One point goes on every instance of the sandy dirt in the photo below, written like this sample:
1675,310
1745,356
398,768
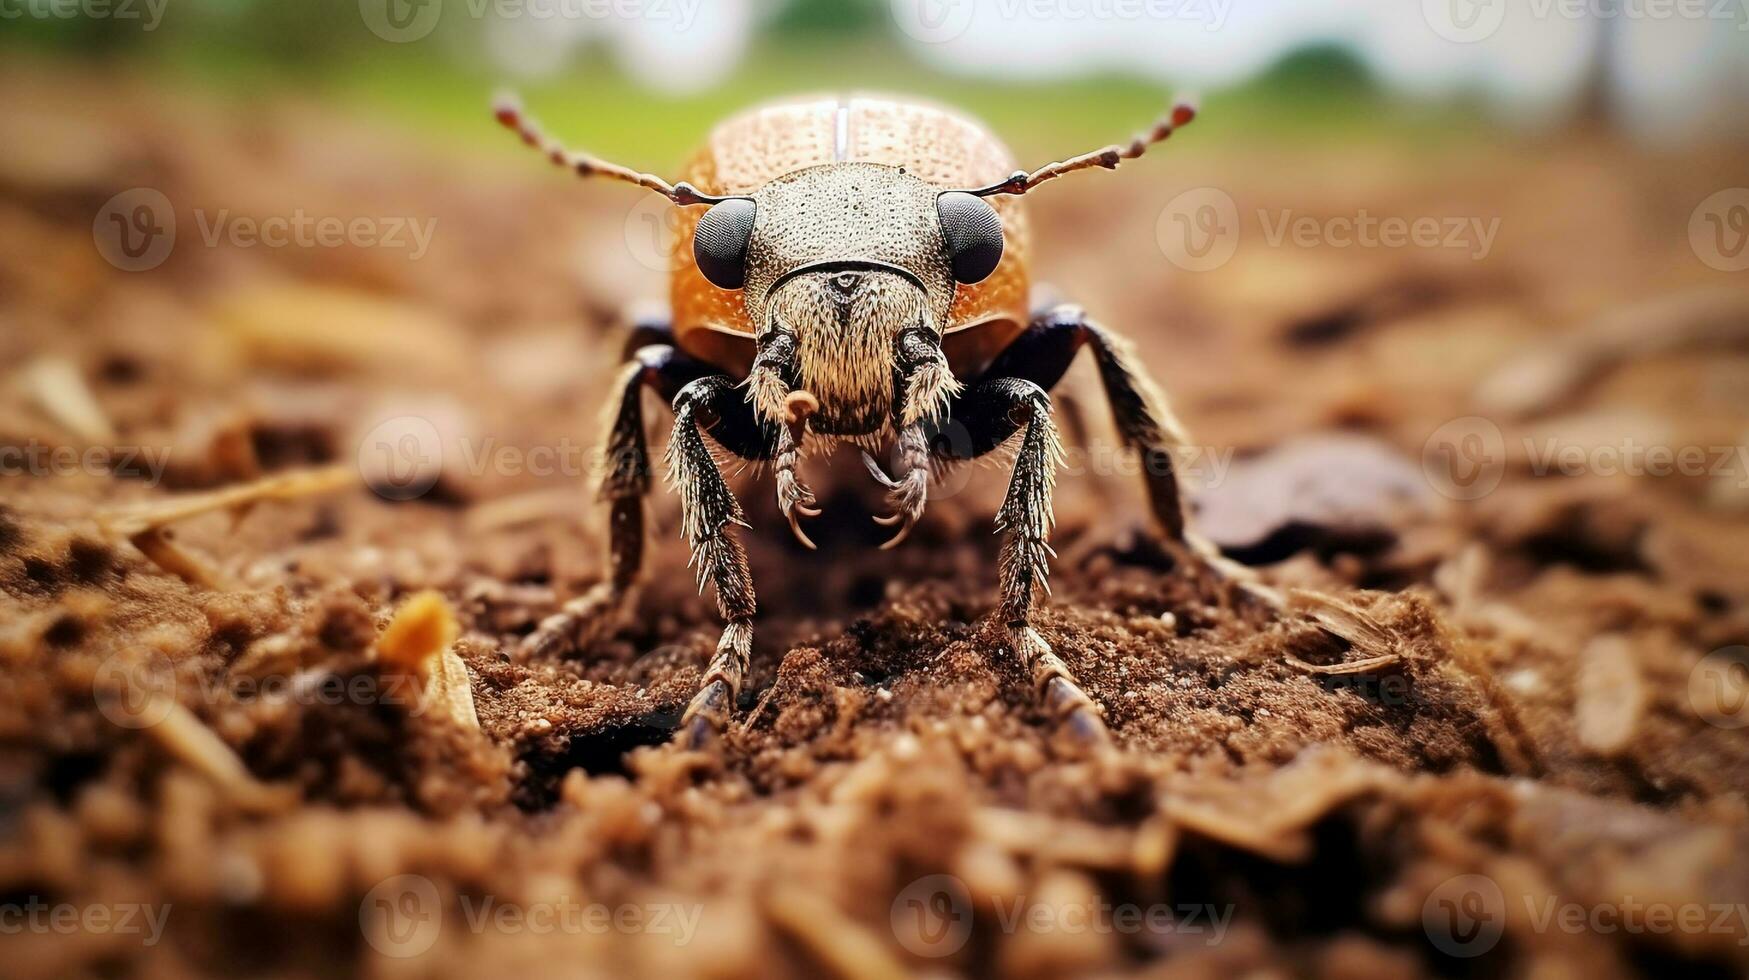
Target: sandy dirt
199,714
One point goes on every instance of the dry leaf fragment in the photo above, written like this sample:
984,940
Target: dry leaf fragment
322,329
1610,695
846,947
1056,841
419,643
1270,816
1366,634
126,522
193,743
158,547
60,390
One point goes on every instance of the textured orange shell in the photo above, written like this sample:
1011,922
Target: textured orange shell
935,144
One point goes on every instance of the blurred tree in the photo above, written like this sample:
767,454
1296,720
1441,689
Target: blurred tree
1321,71
1597,96
850,19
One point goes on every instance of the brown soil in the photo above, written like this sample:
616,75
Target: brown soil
1539,727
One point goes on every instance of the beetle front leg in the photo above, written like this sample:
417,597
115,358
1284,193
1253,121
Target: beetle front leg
707,510
991,412
771,390
924,385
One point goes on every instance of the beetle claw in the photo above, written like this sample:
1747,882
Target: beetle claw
795,527
897,539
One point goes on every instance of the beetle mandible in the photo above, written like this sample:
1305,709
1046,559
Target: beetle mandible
860,276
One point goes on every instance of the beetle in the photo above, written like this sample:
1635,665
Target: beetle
860,276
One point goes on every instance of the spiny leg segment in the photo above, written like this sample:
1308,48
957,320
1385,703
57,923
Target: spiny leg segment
707,510
771,390
924,385
1144,421
991,412
625,480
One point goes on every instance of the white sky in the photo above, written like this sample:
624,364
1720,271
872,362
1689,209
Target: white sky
1681,60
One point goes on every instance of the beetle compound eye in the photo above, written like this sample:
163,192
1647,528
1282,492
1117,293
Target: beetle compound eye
973,231
720,243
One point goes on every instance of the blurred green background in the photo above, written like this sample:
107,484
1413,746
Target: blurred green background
321,50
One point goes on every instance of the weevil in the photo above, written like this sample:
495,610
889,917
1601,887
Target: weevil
860,275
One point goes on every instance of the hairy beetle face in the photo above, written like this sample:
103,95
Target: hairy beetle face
843,258
846,322
848,217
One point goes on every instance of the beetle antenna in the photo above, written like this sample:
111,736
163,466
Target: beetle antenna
1109,157
508,109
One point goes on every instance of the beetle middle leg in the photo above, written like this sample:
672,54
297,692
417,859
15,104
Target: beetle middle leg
625,480
1144,421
